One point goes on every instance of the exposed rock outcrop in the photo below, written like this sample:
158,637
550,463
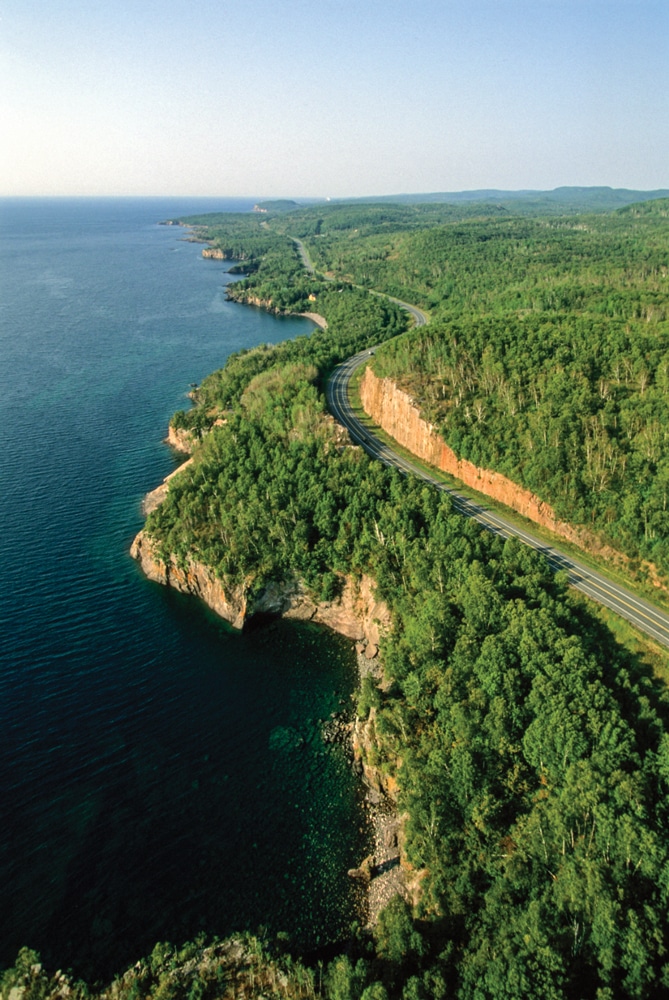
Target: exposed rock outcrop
396,412
245,299
192,578
181,439
382,786
386,871
214,253
356,613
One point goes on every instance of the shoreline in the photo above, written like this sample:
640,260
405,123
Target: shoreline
382,874
356,616
155,497
382,871
315,317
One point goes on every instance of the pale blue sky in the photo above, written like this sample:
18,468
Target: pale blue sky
338,98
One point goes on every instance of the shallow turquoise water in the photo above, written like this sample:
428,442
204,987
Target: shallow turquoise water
159,774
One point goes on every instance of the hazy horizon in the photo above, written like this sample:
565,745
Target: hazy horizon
417,197
340,100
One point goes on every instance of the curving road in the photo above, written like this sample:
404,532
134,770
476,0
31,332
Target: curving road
643,615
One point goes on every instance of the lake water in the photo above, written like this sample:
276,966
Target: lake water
160,775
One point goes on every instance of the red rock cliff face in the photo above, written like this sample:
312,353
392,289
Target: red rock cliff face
195,578
395,411
356,613
180,439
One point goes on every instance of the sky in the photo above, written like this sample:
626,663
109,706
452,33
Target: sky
331,98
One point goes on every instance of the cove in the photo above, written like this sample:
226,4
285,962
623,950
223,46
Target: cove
160,775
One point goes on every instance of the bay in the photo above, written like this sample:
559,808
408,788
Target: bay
160,775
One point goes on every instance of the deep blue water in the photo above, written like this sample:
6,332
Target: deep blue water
160,775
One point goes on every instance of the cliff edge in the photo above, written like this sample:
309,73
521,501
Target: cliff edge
396,412
355,613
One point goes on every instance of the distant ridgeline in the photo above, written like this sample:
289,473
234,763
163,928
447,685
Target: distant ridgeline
562,199
529,749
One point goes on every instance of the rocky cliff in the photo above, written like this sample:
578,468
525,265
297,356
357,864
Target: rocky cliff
194,578
397,413
181,439
356,613
268,305
214,253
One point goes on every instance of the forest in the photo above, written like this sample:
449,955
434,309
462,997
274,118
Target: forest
531,751
547,357
557,375
529,748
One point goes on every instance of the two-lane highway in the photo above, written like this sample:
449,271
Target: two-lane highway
643,615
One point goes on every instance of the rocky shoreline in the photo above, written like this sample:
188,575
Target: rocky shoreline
268,306
356,614
383,872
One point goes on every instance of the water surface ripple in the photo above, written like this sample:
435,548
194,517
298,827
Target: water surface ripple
159,775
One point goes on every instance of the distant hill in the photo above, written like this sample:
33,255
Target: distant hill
562,199
278,205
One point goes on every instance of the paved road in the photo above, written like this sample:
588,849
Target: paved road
640,613
302,250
